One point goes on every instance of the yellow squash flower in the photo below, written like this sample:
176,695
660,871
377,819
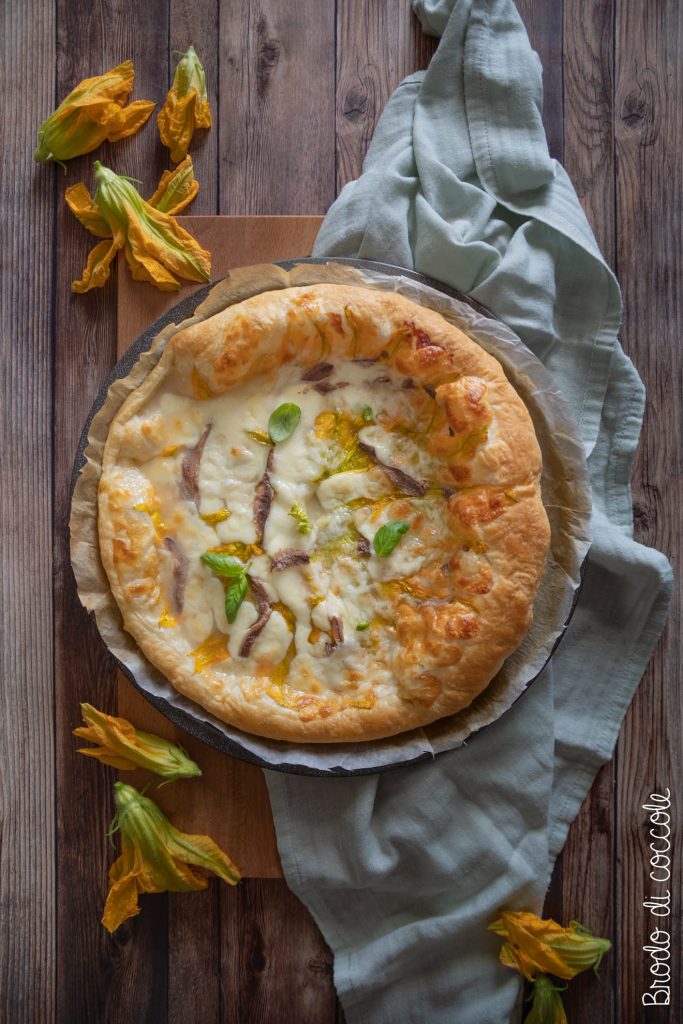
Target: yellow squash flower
186,106
535,945
157,249
86,210
125,748
94,112
176,190
546,1007
155,857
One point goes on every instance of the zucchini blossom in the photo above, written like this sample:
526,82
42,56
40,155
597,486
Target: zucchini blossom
155,857
186,107
125,747
157,249
94,112
533,944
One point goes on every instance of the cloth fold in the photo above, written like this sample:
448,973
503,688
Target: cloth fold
403,872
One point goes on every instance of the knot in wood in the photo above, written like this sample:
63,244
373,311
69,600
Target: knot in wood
641,106
268,56
633,109
355,104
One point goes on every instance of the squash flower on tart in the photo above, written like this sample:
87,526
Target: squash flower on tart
95,111
186,107
157,248
320,515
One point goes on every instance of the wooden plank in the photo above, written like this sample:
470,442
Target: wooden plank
544,24
193,919
588,51
194,981
379,43
648,141
27,825
90,40
277,107
135,981
196,24
276,966
584,890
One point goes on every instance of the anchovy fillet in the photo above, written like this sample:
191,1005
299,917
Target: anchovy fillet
189,470
318,372
264,609
403,481
288,557
263,499
180,572
337,630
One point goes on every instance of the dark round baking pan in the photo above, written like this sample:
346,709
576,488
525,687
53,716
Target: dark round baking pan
195,724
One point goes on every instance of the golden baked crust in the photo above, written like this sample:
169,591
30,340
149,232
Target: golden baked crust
403,419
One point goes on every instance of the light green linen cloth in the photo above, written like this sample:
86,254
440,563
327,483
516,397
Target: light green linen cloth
404,871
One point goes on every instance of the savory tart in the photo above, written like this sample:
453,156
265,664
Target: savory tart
320,515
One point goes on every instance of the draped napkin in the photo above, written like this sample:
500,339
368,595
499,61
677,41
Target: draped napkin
404,871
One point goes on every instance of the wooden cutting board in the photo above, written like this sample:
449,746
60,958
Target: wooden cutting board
230,802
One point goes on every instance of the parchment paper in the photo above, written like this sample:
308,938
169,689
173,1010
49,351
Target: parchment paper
566,496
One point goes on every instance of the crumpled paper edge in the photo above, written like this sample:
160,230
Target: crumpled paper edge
566,495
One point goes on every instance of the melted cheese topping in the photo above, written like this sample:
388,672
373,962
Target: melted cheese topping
340,606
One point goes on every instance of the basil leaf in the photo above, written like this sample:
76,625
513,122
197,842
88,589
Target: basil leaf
284,421
223,565
388,536
366,413
362,626
234,595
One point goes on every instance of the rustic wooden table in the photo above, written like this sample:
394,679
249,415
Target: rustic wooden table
296,89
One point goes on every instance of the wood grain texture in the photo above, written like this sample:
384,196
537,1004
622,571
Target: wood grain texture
649,209
27,826
276,966
544,24
90,39
193,924
196,23
277,107
378,43
588,87
584,879
194,968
